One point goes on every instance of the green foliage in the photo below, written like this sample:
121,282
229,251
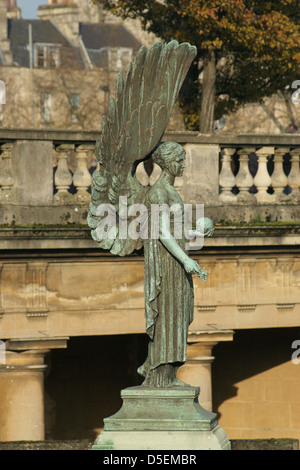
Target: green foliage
256,44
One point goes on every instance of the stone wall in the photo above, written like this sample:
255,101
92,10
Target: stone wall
256,384
248,286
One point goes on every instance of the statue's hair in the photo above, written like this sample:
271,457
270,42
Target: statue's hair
164,154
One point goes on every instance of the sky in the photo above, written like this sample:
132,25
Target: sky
29,8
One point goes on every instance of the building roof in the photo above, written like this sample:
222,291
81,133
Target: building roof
98,35
45,32
42,31
95,37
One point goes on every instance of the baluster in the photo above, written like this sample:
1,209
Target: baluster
82,178
63,177
226,177
262,179
6,174
279,179
244,179
293,179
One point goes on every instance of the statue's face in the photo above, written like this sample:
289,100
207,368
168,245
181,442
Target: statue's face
178,164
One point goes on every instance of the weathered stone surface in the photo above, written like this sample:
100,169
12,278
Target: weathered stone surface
243,444
246,267
169,418
265,444
157,409
47,445
236,444
200,184
32,163
21,380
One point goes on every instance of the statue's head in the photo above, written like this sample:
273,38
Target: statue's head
171,156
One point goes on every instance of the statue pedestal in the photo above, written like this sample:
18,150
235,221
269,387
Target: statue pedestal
162,419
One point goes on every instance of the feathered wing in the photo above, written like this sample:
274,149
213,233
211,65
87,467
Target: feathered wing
132,128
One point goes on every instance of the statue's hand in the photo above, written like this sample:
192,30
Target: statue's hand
202,275
192,267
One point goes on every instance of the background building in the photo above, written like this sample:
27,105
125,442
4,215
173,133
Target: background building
60,70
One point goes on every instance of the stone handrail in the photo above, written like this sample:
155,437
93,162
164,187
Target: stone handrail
51,170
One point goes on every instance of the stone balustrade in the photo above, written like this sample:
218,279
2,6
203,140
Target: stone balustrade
70,187
46,176
264,175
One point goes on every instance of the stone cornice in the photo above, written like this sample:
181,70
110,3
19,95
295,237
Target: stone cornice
78,238
223,139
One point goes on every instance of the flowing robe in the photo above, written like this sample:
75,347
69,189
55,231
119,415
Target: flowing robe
169,301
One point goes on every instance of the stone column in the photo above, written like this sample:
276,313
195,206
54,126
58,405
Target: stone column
22,388
197,369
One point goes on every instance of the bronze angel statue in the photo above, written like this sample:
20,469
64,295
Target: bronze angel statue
131,133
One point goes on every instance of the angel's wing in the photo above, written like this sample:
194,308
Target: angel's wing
133,127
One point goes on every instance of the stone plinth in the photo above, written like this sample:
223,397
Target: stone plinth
162,419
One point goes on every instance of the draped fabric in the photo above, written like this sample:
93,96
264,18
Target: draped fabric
168,302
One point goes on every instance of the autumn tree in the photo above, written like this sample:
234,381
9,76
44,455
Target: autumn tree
247,49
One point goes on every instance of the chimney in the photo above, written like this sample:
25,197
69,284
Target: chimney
13,12
65,15
4,42
3,19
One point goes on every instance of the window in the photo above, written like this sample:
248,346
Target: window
40,57
119,58
46,56
74,106
45,99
